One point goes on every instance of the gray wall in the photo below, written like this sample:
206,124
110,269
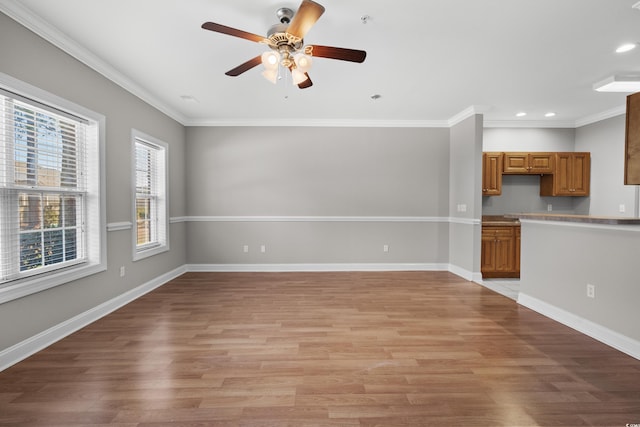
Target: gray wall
521,193
605,141
561,259
465,197
246,184
27,57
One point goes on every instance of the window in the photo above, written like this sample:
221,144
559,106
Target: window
51,215
150,202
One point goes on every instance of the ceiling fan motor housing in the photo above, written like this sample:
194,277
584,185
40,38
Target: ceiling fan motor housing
281,41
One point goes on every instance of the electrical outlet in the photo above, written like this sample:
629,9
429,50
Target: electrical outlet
122,271
245,248
263,248
591,291
549,207
622,208
385,248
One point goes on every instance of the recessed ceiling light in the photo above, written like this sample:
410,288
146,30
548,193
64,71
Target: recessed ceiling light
521,114
626,47
619,83
550,114
188,98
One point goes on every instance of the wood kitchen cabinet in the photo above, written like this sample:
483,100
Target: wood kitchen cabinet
528,163
518,241
632,141
492,174
499,251
571,177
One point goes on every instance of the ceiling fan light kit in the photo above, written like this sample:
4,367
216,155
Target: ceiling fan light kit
286,41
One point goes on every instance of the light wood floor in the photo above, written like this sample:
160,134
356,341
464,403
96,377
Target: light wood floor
323,349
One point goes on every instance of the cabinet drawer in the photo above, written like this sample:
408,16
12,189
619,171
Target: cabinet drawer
497,231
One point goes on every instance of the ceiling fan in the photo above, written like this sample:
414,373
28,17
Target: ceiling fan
286,41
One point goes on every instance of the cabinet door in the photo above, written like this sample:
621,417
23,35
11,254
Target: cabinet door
580,174
517,251
562,184
571,177
517,163
541,163
498,251
632,141
488,255
528,163
491,174
505,251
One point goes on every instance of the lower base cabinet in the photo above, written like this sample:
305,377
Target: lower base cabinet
500,251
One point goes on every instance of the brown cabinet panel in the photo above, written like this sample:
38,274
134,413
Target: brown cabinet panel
517,249
571,176
632,141
528,163
516,163
541,163
499,251
491,174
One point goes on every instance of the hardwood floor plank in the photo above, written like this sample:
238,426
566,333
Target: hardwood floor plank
323,349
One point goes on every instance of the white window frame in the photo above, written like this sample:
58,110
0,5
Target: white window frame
159,196
94,226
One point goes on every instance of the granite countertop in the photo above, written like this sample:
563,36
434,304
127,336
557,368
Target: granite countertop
588,219
500,220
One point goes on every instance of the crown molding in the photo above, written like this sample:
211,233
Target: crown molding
27,18
614,112
320,123
530,124
466,113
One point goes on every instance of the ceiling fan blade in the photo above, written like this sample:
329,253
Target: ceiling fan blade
218,28
307,83
245,67
307,15
339,53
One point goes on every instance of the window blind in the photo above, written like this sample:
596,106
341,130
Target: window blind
43,188
150,195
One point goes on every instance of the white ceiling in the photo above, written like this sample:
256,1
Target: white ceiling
430,60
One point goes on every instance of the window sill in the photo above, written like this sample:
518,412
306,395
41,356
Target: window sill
27,286
149,252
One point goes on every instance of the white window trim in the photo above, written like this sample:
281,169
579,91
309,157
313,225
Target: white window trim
145,251
97,195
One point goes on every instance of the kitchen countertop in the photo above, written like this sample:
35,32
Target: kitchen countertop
588,219
500,220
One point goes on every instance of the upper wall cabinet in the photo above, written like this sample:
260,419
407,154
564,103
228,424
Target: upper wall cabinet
571,177
632,141
492,174
561,174
528,163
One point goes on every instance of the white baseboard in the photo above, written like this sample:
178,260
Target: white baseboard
465,274
32,345
315,267
605,335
